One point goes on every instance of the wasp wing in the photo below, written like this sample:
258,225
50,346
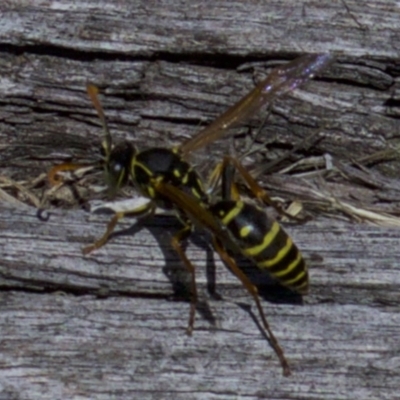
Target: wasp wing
280,81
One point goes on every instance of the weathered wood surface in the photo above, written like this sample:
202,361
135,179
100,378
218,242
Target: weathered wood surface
104,326
167,68
342,342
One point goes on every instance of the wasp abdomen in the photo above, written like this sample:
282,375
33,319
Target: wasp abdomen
264,241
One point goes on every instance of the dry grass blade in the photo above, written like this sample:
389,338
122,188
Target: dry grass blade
27,194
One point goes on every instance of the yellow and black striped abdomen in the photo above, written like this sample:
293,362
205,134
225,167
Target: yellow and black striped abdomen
263,241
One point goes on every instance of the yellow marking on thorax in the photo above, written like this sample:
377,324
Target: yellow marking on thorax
177,173
196,193
232,214
151,192
245,231
185,179
133,163
268,239
144,168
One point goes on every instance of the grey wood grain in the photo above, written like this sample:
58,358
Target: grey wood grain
112,324
119,347
161,86
133,335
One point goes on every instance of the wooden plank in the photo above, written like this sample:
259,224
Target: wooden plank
56,346
155,100
136,338
359,258
105,325
206,28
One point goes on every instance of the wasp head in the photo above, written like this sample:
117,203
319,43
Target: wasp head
117,165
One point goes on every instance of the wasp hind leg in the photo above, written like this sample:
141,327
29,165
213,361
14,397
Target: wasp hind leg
146,210
252,290
176,242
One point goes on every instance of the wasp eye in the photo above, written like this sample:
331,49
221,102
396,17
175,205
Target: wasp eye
117,167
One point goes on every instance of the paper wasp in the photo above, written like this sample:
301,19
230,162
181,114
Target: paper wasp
242,227
170,182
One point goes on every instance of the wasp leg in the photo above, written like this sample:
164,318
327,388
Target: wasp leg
146,210
252,290
223,171
214,178
256,189
176,244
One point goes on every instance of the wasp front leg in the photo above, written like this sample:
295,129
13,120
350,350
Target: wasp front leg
146,210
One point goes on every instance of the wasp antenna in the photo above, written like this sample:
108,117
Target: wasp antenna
93,92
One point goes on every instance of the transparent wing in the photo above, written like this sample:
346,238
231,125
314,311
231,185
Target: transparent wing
280,81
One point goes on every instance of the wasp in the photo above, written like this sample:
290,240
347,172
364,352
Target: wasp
169,181
239,226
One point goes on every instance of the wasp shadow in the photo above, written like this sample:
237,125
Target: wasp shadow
163,228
